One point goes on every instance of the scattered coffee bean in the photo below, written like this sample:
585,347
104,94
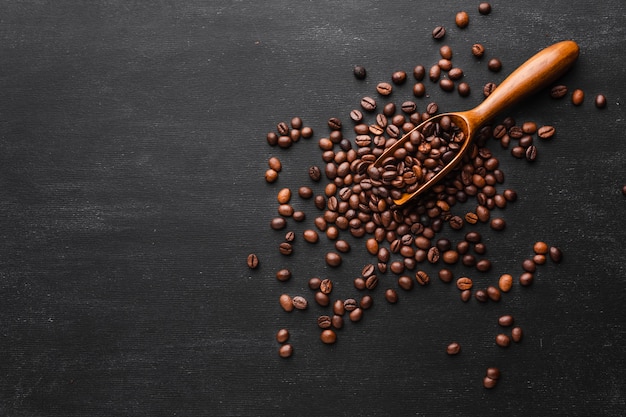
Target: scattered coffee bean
299,302
494,65
484,8
506,320
314,283
333,259
464,283
283,274
558,91
356,315
391,296
315,173
252,261
282,335
600,101
555,254
478,50
497,223
516,334
422,277
286,302
285,248
439,32
546,132
505,282
503,340
324,322
463,89
526,279
461,19
398,77
578,96
328,336
488,89
359,72
453,348
368,104
384,89
285,350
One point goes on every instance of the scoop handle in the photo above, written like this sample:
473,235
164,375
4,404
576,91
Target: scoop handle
538,72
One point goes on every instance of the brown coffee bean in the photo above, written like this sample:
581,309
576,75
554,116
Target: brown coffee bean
464,89
310,236
384,89
503,340
315,173
282,335
578,96
453,348
516,334
285,350
494,65
271,175
466,295
356,315
546,132
478,50
528,265
489,383
299,302
391,296
350,304
368,104
493,373
526,279
497,223
558,91
333,259
275,164
483,265
481,296
324,322
328,337
405,282
484,8
366,302
505,282
398,77
464,283
600,101
285,248
326,286
446,275
555,254
286,302
493,293
419,90
372,246
371,282
422,277
439,32
283,274
506,320
461,19
252,261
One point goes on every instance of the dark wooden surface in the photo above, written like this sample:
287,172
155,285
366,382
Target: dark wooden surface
132,153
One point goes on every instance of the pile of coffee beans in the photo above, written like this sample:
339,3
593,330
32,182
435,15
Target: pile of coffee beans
409,241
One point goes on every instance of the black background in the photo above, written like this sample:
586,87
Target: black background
132,155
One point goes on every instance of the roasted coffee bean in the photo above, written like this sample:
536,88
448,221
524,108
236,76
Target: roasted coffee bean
461,19
405,282
286,302
350,304
322,299
483,265
368,104
497,223
481,296
493,293
356,116
464,283
324,322
272,138
453,348
446,84
478,50
516,334
505,282
539,259
484,8
310,236
419,72
282,128
333,259
600,101
434,73
391,296
326,286
466,295
342,246
359,72
299,302
398,77
408,106
283,274
446,275
422,277
493,373
445,51
252,261
578,96
471,218
278,223
546,132
285,248
555,254
285,210
463,89
455,74
328,336
371,282
271,175
305,192
489,383
285,351
558,91
439,32
419,90
526,279
282,335
275,164
314,283
366,302
337,321
494,65
540,248
284,195
384,89
531,153
356,315
488,89
506,320
315,173
503,340
528,265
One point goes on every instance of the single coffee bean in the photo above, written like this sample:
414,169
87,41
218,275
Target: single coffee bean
484,8
405,282
271,175
461,19
422,277
494,65
600,101
252,261
497,223
434,73
453,348
503,340
463,89
285,248
305,192
282,335
324,322
506,320
356,315
546,132
272,139
558,91
342,246
419,72
333,259
478,50
359,72
283,274
284,195
488,89
464,283
398,77
315,173
278,223
526,279
446,275
516,334
337,321
481,296
356,115
391,296
285,210
531,153
493,373
455,74
299,302
505,282
483,265
314,283
446,84
326,286
489,383
466,295
350,304
286,302
328,337
366,302
493,293
368,104
578,96
282,128
528,265
285,350
419,90
384,89
371,282
310,236
471,218
555,254
539,259
408,106
439,32
275,164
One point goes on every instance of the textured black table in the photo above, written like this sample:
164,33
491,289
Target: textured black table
132,155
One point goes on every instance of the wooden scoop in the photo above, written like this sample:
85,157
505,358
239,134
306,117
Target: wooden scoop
536,73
